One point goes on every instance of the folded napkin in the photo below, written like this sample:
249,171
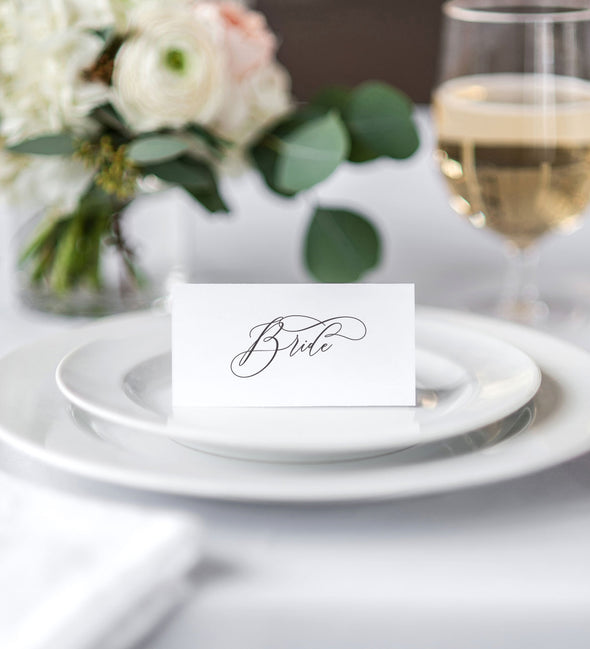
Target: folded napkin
77,573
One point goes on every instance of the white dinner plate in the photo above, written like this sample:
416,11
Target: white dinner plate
35,419
465,380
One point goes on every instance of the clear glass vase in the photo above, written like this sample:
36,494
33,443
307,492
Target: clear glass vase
109,262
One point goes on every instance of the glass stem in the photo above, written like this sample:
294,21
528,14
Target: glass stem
520,293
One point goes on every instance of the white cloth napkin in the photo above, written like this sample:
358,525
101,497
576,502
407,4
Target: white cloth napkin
77,573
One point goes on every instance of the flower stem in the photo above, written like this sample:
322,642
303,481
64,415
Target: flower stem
65,254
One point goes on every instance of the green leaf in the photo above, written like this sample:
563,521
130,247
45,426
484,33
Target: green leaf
303,115
379,118
108,117
332,97
211,201
212,140
379,96
195,176
266,160
359,152
310,153
57,144
156,148
184,171
104,34
266,152
340,245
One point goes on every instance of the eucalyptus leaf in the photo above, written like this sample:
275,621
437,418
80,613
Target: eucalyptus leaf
303,115
55,144
108,117
96,201
266,160
195,176
332,97
266,153
360,152
310,153
212,201
380,95
156,148
184,171
379,119
340,245
212,140
104,34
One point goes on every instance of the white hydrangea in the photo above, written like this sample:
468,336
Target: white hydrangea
45,48
42,182
182,61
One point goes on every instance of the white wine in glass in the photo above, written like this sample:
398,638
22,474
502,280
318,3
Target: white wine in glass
512,113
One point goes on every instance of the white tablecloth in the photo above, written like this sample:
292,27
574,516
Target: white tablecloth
500,566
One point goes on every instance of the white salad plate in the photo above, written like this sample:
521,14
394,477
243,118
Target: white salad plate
36,420
465,380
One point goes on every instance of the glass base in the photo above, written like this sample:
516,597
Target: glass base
531,312
134,273
86,303
563,308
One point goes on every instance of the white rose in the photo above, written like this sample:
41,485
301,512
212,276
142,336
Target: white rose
270,92
171,70
256,102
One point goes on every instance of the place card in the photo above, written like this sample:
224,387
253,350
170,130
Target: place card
293,345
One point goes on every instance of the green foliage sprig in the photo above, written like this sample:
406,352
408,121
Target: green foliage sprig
339,124
297,153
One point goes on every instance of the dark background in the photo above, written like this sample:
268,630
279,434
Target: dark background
349,41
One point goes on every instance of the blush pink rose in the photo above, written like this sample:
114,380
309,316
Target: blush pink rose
250,43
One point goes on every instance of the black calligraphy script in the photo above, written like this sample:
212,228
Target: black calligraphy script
293,335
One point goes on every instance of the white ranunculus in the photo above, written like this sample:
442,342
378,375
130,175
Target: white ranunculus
123,11
45,48
171,71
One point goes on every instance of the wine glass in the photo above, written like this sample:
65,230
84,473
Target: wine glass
512,113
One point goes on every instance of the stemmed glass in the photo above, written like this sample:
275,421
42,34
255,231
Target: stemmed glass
512,112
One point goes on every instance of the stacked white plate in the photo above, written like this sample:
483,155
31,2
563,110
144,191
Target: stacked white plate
495,401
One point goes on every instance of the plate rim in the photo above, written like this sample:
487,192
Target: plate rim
263,446
487,469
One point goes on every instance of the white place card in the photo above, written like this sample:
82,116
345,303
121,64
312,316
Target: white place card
293,345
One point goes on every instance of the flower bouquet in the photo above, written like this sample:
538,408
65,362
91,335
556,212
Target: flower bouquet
102,100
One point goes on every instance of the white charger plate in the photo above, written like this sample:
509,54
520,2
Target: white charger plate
466,380
35,419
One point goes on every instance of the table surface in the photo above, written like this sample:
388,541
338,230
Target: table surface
505,565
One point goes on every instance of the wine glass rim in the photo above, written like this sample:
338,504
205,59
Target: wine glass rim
515,11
